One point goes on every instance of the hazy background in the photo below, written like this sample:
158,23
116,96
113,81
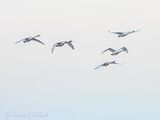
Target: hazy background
64,84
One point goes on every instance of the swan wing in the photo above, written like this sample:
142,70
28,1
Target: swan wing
116,32
19,41
53,47
109,49
70,45
34,39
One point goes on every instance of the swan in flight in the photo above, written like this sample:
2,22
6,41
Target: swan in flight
60,44
116,52
106,64
31,38
123,34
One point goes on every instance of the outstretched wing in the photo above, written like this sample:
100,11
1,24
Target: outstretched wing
133,31
118,63
34,39
110,49
116,32
123,49
19,41
137,30
36,36
70,45
108,63
53,48
104,64
97,67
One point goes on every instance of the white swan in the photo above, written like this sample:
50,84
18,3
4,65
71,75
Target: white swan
107,63
28,39
123,34
116,52
60,44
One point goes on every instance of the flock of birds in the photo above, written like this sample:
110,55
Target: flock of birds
34,38
69,43
116,52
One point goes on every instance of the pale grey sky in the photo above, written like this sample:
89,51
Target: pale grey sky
64,83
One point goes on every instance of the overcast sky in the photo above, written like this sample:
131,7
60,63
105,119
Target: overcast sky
64,84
